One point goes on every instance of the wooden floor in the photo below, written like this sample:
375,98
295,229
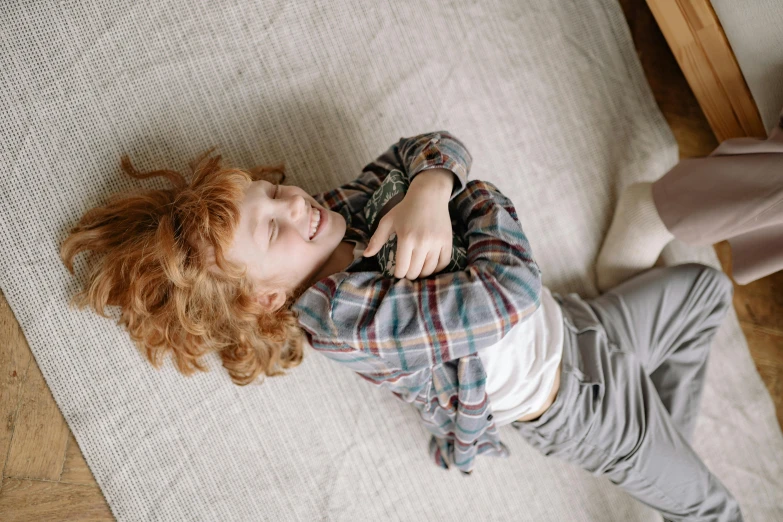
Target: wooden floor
44,476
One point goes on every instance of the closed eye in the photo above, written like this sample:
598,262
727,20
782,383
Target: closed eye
273,224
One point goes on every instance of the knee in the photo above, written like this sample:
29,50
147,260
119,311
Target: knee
718,282
728,508
724,288
712,288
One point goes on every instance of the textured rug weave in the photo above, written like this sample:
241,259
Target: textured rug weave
549,98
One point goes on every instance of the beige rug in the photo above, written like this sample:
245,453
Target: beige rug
551,101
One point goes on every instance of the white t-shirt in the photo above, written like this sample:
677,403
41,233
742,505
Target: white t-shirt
521,367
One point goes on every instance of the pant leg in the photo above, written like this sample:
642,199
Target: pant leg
735,193
636,446
609,420
668,317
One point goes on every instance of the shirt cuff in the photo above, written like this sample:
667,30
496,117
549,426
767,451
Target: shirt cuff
431,157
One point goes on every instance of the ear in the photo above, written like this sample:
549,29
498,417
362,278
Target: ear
271,300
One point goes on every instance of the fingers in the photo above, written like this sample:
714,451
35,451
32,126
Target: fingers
445,258
430,263
402,259
420,262
436,261
379,238
418,257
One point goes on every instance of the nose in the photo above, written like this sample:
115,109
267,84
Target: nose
299,211
302,207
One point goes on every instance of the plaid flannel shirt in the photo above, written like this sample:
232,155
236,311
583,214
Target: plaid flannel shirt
420,339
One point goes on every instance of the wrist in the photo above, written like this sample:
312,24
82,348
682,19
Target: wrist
436,181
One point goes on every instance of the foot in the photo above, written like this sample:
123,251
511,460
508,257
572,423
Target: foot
635,238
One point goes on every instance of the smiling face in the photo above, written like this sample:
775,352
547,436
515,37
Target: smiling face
273,238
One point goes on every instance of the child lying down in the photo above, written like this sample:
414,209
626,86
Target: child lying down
423,283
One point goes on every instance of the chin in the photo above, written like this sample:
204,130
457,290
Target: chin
339,225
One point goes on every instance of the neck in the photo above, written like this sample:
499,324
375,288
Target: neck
341,258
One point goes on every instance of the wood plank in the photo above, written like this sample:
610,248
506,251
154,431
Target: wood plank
759,307
670,88
75,469
26,500
759,303
15,358
37,449
766,348
697,40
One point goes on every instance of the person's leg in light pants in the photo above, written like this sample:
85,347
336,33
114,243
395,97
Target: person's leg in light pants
634,363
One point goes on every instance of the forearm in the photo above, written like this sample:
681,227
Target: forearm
436,183
414,156
412,325
438,150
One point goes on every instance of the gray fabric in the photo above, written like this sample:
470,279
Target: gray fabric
753,29
552,103
634,363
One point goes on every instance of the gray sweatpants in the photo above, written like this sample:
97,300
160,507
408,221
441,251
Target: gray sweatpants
634,361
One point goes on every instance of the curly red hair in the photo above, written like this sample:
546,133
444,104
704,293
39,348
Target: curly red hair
154,254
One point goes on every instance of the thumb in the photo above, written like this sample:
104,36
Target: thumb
380,237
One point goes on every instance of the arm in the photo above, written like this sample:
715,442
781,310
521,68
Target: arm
418,214
413,156
387,328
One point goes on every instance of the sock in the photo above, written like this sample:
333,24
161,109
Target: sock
635,238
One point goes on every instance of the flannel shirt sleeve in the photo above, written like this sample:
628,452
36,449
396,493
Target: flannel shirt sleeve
388,328
439,149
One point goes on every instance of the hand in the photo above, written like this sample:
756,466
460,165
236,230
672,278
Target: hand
423,227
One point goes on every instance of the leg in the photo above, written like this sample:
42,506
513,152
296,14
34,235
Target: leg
608,417
636,445
635,238
735,193
667,317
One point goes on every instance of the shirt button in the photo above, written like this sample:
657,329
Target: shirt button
475,442
489,417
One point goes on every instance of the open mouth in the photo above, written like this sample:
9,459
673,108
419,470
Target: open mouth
317,221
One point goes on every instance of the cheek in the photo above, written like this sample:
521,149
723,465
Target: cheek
336,222
291,244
